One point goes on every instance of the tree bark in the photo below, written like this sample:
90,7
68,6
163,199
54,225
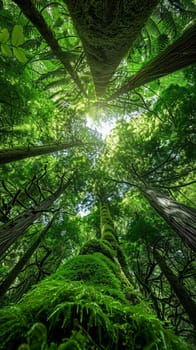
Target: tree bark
106,223
30,11
7,156
108,234
180,291
11,231
179,217
22,262
107,30
178,55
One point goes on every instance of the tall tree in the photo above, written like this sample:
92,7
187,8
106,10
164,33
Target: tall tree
179,217
178,55
22,262
107,30
12,230
180,291
46,74
143,158
7,156
29,9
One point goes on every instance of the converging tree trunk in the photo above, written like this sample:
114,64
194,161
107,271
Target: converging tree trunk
11,231
4,286
7,156
178,216
107,30
30,11
178,55
178,288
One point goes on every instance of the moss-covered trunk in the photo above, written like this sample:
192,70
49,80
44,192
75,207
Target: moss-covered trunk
88,303
107,30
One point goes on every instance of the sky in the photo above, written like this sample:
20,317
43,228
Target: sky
102,127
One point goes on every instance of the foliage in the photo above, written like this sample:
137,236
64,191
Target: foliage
94,300
98,246
65,304
17,39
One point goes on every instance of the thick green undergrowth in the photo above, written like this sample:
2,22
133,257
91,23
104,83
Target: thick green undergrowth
84,305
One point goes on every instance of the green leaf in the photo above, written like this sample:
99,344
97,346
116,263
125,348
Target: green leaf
17,35
20,54
24,347
5,49
4,35
52,346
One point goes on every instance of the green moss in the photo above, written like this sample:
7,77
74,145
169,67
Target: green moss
107,228
132,295
110,238
82,306
94,269
37,336
69,345
24,347
76,313
98,246
123,263
78,341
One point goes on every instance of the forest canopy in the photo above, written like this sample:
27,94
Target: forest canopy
97,160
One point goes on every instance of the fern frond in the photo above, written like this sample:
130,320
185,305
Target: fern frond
54,73
152,27
167,17
162,42
55,83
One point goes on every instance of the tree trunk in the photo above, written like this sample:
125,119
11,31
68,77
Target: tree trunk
86,304
178,55
31,12
180,291
108,233
107,30
106,223
22,262
179,217
7,156
11,231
